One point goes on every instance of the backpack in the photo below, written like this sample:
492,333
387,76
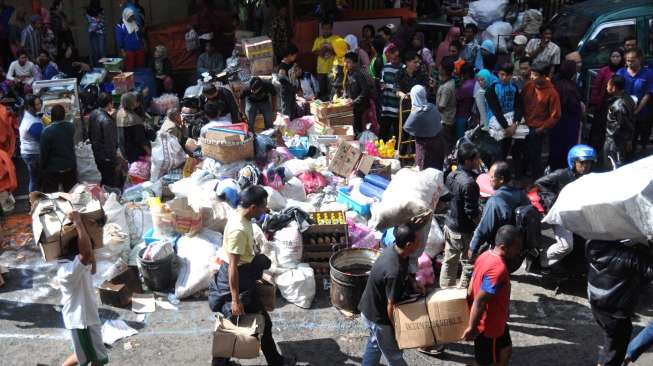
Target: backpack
529,221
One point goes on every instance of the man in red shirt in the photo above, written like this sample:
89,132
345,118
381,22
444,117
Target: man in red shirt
490,292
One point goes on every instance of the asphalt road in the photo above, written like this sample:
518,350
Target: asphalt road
547,328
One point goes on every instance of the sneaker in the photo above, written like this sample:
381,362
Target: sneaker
434,351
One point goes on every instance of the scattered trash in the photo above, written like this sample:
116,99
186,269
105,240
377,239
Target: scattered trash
115,330
143,303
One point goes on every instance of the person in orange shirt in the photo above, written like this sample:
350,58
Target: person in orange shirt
541,111
8,124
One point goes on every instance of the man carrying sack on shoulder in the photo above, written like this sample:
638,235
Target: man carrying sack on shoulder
232,290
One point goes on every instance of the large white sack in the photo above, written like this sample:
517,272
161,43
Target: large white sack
276,202
611,206
87,171
195,254
167,154
116,229
215,217
408,194
294,189
287,246
297,285
486,12
500,32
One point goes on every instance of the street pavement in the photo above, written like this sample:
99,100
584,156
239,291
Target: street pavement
546,328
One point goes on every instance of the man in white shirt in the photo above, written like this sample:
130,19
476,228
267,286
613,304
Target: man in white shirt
543,49
22,70
80,308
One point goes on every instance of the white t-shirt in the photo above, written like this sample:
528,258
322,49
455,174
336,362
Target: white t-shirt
80,308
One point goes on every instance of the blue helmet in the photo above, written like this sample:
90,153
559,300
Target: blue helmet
580,152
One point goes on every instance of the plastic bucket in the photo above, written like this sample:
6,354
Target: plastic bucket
157,275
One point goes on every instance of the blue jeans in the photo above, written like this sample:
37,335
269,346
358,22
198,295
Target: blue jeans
33,162
97,42
461,125
381,342
642,342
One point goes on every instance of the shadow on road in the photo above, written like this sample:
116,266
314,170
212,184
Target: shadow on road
324,351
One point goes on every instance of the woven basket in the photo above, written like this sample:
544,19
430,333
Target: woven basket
228,152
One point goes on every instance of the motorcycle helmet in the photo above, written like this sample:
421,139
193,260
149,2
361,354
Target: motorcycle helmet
580,152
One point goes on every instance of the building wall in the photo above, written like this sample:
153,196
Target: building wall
156,12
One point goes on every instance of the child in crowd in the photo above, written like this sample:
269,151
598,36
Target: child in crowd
80,308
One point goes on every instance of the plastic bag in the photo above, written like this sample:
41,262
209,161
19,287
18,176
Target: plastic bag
115,213
498,31
435,240
276,202
167,154
87,171
262,145
229,191
139,221
294,189
287,246
364,137
139,171
312,181
195,256
361,236
425,275
7,202
157,251
297,285
299,126
486,12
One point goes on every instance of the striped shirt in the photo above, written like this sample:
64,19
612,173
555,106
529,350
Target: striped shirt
30,39
390,105
550,54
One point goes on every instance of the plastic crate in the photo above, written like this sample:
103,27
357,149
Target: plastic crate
298,152
150,238
360,208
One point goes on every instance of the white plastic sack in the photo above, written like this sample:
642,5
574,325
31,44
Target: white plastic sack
435,240
486,12
500,32
615,205
215,217
297,285
87,171
498,133
115,212
294,189
287,246
195,255
276,202
299,166
167,154
408,194
7,202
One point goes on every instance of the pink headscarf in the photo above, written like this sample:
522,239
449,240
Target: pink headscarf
443,48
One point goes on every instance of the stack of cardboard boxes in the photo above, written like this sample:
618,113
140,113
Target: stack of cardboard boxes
260,54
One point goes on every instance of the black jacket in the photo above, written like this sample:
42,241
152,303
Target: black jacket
620,119
615,276
227,103
550,185
463,208
358,89
103,133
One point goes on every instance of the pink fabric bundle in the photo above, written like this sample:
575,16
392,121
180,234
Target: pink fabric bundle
313,181
425,275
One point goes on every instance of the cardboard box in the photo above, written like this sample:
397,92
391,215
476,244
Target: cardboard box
258,47
242,340
373,165
261,66
123,82
267,293
52,229
345,160
440,317
118,291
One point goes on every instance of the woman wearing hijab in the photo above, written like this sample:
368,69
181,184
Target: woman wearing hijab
130,41
363,56
486,59
161,66
423,52
599,98
443,48
131,128
565,134
425,123
484,79
95,18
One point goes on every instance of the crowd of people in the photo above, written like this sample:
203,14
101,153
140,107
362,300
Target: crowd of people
524,97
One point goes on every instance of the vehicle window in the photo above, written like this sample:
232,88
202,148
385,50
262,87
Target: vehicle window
649,51
569,30
597,52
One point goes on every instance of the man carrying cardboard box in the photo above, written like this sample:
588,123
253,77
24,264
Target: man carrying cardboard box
386,286
490,293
